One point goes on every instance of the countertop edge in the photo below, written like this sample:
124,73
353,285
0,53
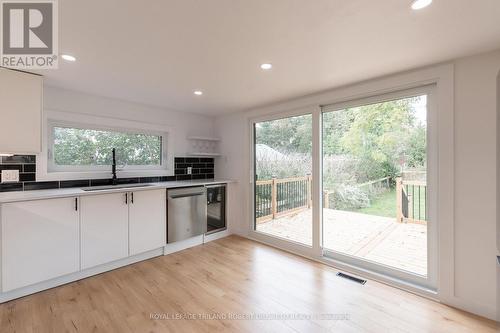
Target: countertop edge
10,197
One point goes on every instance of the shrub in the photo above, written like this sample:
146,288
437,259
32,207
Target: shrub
348,197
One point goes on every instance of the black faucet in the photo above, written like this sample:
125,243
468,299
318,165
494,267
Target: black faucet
113,168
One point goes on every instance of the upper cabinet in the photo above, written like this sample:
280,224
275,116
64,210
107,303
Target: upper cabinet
20,111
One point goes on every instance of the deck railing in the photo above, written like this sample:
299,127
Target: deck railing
279,197
411,199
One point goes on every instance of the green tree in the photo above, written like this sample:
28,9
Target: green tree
73,146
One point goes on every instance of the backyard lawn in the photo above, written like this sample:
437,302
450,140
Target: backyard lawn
382,205
385,205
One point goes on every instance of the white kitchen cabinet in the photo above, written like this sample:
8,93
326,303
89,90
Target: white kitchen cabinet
104,228
21,111
40,241
147,220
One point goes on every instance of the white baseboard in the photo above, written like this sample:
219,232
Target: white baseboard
216,235
477,309
183,244
168,249
10,295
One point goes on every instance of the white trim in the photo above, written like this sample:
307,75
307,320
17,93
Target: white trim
167,249
390,281
52,117
429,281
16,293
443,77
52,168
314,112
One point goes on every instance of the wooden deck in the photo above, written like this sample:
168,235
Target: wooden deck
374,238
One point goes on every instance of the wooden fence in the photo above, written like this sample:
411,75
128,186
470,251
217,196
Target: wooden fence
411,200
279,197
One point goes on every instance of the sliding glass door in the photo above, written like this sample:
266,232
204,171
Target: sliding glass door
375,185
353,182
282,188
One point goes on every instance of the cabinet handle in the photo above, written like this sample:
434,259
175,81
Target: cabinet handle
132,197
76,204
126,198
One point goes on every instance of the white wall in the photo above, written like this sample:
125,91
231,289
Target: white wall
233,132
183,124
469,279
475,180
498,197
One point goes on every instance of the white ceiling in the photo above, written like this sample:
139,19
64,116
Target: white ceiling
158,52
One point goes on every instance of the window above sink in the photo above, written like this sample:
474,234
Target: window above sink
84,148
78,146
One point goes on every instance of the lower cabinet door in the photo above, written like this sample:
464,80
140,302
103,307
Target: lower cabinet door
39,241
147,220
104,228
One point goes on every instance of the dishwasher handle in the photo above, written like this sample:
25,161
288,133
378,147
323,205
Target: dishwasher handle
177,196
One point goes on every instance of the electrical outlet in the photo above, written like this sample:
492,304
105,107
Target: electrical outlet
189,170
10,176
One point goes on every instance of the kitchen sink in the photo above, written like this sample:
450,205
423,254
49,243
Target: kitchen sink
111,187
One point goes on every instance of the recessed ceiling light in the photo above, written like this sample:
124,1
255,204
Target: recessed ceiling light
266,66
419,4
68,57
198,92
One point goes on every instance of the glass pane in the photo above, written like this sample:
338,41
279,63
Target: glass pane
88,147
283,164
374,183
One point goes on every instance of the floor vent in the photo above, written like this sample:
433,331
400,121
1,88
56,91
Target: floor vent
352,278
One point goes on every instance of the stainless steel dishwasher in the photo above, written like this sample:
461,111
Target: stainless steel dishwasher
187,213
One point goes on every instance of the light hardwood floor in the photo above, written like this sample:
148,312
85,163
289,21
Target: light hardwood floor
230,276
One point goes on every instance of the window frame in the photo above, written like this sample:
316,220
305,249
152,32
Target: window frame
430,281
52,167
442,77
46,170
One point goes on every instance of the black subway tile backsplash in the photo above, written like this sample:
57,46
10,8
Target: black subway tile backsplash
29,167
18,167
30,186
180,171
74,183
10,187
128,180
100,182
26,177
150,179
19,159
184,177
202,168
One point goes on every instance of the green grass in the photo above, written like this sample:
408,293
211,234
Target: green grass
382,205
385,205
